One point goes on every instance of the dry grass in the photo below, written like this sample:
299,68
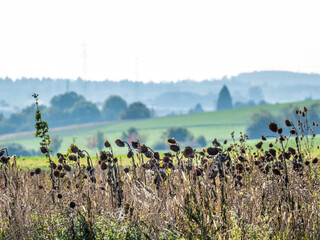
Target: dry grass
223,192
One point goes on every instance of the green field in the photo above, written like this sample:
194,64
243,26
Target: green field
210,125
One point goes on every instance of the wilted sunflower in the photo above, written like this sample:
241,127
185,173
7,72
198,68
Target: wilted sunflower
143,149
213,151
135,144
43,149
187,151
288,123
67,168
174,148
37,171
129,154
74,148
259,145
273,127
276,171
120,143
107,144
171,141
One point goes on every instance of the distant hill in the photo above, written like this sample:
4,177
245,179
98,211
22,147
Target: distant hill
275,86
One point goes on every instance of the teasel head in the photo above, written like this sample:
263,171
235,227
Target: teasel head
120,143
174,148
107,144
273,127
171,141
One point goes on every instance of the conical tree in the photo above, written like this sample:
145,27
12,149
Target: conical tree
224,100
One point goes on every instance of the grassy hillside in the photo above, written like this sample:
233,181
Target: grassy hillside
210,125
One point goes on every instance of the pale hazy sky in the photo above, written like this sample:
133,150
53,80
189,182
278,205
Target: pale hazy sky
157,40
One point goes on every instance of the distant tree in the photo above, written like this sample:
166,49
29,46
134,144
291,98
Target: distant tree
201,141
196,109
66,100
100,140
259,124
84,112
136,110
55,144
255,93
113,107
179,133
224,99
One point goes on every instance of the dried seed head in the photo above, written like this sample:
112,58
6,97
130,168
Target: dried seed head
107,144
259,145
156,155
67,168
5,159
148,154
43,149
216,143
315,160
166,159
74,148
187,151
305,109
37,171
263,138
307,163
280,130
56,173
103,156
103,166
143,149
135,144
129,154
53,165
72,204
59,167
293,131
62,175
213,151
270,145
292,150
126,170
273,127
239,167
120,143
276,171
171,141
288,123
31,174
73,157
59,195
174,148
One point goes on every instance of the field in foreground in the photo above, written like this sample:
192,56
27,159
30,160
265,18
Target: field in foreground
210,125
265,191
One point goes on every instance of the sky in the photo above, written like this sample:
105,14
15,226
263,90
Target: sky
157,40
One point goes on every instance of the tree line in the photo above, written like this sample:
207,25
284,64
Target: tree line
71,108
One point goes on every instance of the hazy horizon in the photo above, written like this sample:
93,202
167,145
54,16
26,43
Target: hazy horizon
147,41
